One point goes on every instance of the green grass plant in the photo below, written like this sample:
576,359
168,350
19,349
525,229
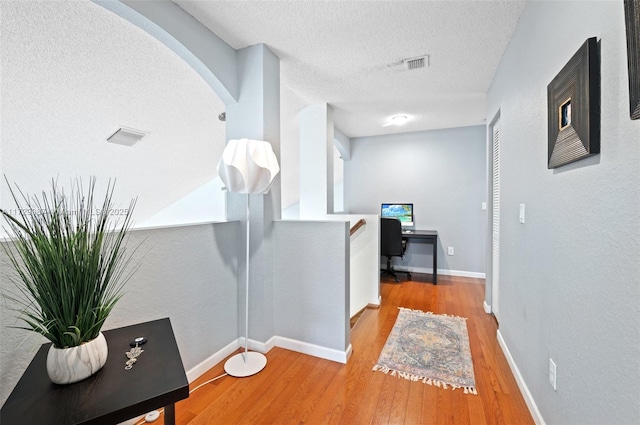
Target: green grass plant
70,261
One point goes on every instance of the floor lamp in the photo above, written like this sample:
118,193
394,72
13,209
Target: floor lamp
247,166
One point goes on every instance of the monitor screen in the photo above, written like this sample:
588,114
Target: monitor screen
403,212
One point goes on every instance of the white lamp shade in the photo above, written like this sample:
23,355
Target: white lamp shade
248,166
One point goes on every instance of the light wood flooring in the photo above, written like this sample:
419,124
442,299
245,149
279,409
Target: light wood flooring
299,389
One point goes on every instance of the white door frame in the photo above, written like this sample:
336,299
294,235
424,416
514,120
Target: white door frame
494,216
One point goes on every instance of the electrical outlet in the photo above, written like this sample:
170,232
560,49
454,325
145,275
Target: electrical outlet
450,252
553,373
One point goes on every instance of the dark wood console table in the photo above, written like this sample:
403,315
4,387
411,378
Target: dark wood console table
429,236
112,395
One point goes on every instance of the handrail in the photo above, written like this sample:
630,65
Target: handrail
358,225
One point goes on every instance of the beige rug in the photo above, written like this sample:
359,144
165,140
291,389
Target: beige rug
431,348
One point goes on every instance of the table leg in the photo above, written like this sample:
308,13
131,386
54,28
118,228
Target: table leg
170,414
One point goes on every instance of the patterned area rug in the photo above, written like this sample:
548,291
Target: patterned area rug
431,348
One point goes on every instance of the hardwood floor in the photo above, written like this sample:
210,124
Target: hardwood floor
299,389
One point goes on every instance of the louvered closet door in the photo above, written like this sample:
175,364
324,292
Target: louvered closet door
495,240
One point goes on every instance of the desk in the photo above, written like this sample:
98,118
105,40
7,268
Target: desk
113,394
429,236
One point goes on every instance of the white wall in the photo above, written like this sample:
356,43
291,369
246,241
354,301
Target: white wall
364,248
316,159
338,181
72,73
570,276
292,212
206,203
443,173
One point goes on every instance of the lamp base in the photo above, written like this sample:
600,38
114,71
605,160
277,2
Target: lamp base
238,367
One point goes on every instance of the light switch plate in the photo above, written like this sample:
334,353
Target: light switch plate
522,213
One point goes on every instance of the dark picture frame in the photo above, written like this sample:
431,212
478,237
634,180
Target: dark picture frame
573,98
632,21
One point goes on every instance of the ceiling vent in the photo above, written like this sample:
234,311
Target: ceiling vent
415,63
126,136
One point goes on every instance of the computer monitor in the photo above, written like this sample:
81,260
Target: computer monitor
403,212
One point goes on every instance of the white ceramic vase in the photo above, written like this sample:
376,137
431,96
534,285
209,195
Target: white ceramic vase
73,364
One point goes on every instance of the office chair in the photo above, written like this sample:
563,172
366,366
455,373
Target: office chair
392,244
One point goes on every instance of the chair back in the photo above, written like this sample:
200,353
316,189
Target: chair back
390,237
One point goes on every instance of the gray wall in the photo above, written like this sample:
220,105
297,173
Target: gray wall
570,276
443,173
190,274
311,296
186,273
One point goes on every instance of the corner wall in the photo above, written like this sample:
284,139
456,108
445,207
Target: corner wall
570,276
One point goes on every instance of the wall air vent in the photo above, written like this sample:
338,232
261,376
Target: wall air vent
126,136
415,63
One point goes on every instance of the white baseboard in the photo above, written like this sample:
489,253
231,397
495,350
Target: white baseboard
375,304
376,301
348,354
264,347
314,350
487,307
444,272
199,369
259,346
462,273
528,398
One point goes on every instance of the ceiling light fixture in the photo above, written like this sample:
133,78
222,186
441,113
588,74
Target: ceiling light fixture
126,136
399,119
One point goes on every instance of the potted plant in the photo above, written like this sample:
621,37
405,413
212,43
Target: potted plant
70,266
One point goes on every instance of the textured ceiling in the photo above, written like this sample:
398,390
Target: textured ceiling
350,54
73,72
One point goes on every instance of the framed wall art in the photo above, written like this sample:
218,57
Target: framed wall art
632,21
573,98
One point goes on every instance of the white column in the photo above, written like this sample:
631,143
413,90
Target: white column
316,161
